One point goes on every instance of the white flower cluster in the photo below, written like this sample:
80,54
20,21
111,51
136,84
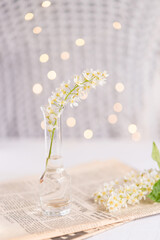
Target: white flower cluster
127,191
71,93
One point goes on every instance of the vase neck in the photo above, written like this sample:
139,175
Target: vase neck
55,162
53,140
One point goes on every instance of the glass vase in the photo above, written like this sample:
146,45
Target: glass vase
55,182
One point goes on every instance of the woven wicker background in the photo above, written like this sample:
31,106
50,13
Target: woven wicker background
131,55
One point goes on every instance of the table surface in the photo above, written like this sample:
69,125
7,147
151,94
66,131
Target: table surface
23,157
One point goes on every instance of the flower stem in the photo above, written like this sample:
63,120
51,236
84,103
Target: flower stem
53,131
50,149
70,93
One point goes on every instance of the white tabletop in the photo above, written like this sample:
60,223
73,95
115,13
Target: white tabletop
23,157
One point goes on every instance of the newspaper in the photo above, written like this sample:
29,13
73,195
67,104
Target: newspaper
21,217
85,234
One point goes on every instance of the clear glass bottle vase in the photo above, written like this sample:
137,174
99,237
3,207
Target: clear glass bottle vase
55,184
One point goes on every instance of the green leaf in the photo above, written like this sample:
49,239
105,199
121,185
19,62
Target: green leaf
156,154
155,194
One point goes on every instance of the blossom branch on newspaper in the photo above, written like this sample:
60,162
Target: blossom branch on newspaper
132,188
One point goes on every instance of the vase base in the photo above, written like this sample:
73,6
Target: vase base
62,211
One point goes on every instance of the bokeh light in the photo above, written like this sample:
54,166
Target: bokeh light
46,4
136,136
29,16
71,122
37,30
80,42
132,128
112,119
44,58
117,25
51,75
37,88
65,55
88,134
84,95
118,107
43,125
119,87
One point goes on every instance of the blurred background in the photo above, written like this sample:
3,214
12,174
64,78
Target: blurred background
43,43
